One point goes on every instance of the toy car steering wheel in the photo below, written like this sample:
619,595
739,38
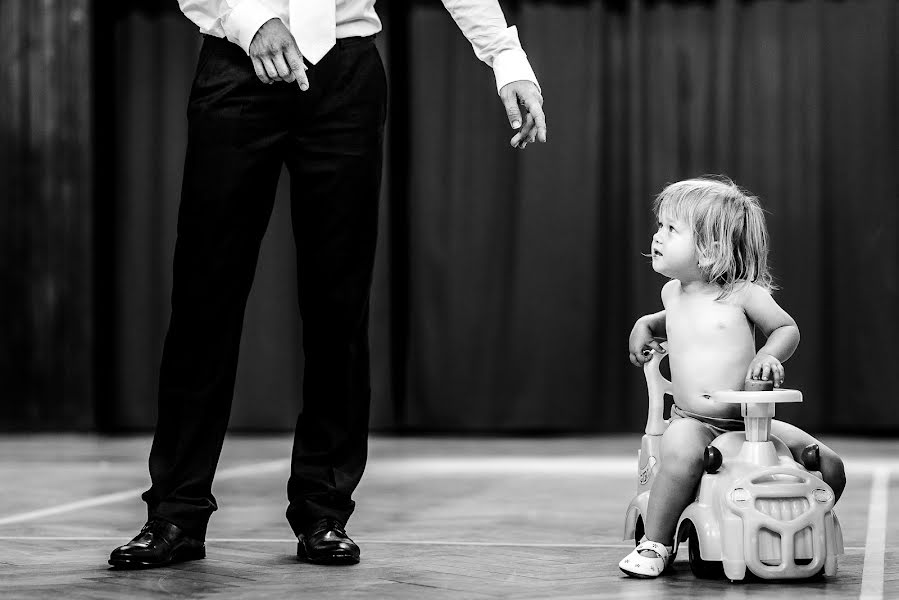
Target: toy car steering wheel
757,405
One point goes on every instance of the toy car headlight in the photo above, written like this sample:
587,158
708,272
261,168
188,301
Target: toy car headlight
823,495
740,495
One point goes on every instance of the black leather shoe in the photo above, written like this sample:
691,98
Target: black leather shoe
326,543
158,544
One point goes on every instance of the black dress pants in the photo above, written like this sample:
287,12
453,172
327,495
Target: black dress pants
240,133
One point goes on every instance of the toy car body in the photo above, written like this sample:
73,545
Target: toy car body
756,508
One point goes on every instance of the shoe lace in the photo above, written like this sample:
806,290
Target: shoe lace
329,523
153,525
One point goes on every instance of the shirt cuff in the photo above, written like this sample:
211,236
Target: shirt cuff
512,65
244,21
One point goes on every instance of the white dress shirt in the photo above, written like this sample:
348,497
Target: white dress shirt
482,22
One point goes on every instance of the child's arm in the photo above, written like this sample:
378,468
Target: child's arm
780,329
648,330
643,336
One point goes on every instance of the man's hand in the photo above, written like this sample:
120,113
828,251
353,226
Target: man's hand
524,96
275,55
765,365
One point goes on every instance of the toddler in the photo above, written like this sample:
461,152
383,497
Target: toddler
713,244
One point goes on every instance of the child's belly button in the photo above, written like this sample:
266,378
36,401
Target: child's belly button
701,405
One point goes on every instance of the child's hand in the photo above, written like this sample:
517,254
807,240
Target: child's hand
764,366
640,342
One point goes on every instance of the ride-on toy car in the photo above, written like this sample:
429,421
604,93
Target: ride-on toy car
756,508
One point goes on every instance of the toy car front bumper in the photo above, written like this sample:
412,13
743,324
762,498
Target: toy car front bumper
787,528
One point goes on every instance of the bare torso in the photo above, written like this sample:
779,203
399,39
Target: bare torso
710,346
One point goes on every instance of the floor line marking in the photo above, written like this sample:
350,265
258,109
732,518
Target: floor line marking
360,540
72,506
134,493
875,539
537,465
541,465
429,467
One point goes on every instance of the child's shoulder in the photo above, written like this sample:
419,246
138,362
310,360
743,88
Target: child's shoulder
670,289
745,292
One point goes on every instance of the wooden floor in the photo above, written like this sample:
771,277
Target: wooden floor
436,518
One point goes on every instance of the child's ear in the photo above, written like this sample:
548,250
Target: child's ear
705,258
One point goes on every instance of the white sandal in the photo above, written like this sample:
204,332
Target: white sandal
637,565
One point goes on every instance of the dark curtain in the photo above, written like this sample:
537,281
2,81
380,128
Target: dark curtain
526,269
518,274
46,207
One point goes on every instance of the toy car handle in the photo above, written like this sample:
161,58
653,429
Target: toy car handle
657,386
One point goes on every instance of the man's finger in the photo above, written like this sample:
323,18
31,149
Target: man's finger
510,101
281,66
270,68
535,109
260,70
528,126
296,66
522,134
527,130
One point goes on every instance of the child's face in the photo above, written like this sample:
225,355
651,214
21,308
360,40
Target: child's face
673,250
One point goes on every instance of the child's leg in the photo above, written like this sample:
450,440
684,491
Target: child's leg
672,490
832,470
674,487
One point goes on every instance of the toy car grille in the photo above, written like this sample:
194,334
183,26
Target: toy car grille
783,509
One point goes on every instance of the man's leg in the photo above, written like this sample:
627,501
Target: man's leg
233,160
335,162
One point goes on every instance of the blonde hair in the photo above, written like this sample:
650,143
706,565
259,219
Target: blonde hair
728,229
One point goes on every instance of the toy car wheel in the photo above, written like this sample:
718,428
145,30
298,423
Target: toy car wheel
704,569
